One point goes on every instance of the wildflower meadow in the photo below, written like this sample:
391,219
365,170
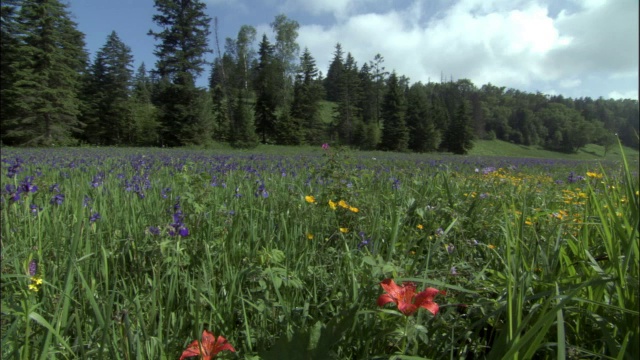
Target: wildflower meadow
112,253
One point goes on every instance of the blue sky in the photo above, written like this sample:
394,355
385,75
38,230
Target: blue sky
576,48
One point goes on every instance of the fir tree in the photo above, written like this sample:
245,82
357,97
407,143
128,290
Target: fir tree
242,132
458,138
266,89
108,120
332,81
307,92
183,44
347,119
8,48
395,135
48,64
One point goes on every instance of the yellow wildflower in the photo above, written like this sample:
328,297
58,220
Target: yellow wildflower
528,222
491,246
310,199
310,236
353,209
332,205
344,230
343,204
594,175
420,227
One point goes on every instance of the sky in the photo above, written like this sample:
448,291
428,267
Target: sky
573,48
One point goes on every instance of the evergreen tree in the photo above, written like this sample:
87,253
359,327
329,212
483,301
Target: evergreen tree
306,95
458,138
8,49
242,132
266,88
395,135
334,74
108,120
423,136
183,44
379,75
144,115
347,119
48,63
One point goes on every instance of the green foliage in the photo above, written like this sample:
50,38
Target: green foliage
242,133
47,64
458,138
395,135
108,117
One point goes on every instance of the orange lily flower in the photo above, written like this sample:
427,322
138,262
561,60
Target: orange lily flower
208,347
406,299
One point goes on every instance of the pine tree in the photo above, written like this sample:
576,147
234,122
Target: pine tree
266,88
183,44
307,92
108,118
242,132
395,135
347,119
144,114
8,48
459,136
49,62
332,81
423,136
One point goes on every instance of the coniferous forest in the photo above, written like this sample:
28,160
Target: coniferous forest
260,91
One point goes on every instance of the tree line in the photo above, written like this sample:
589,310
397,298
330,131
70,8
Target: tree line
259,91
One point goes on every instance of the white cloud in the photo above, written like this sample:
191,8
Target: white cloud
509,43
632,94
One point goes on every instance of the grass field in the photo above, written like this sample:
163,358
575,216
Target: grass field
288,253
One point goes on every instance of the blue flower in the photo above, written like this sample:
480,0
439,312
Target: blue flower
94,217
57,199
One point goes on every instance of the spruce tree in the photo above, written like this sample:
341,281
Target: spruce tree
50,59
8,49
307,92
423,136
144,114
266,90
395,135
108,117
347,119
332,81
183,45
242,132
458,138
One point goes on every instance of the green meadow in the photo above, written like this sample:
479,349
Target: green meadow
115,253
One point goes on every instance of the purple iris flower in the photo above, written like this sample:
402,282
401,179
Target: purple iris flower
94,217
154,230
57,199
26,185
34,209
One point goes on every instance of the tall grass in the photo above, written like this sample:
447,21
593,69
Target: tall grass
533,265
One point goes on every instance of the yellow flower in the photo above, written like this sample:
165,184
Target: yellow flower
35,283
344,230
310,199
332,205
528,222
594,175
420,227
353,209
343,204
491,246
310,236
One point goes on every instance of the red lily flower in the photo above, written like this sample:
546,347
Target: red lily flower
406,299
208,347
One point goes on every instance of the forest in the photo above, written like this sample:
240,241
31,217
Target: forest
262,88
